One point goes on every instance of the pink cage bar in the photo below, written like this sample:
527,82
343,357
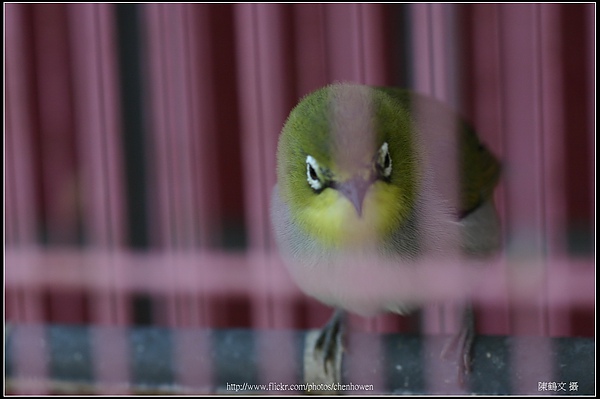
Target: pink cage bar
217,83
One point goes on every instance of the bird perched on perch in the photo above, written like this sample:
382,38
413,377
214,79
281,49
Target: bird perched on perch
384,172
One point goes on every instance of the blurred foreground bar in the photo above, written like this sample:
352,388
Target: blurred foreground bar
234,358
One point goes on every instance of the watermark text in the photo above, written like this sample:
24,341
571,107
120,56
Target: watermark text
277,386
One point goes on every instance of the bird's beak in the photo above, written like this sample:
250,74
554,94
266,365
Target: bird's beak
355,190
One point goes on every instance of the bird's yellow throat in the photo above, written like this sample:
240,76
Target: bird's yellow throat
333,221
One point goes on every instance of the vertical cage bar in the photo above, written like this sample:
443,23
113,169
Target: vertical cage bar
61,182
435,73
591,100
349,29
551,97
200,75
487,119
350,33
261,86
253,153
21,212
206,165
522,118
202,195
265,99
310,47
374,54
431,27
156,83
25,302
422,63
20,177
59,176
97,123
171,129
98,133
553,133
312,72
170,92
97,112
375,47
266,96
377,59
343,24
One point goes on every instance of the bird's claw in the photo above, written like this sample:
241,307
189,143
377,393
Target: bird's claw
329,342
462,343
323,354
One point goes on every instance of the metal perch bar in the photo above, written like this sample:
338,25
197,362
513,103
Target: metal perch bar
234,359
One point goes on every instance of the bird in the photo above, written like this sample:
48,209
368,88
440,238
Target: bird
378,171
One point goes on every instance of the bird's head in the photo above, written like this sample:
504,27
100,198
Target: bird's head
347,165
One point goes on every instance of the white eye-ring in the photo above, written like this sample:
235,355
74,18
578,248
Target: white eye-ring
384,160
311,173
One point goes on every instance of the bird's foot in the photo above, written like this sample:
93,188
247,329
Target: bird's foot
461,345
329,342
323,353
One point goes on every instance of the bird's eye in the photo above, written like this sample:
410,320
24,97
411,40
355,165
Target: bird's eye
384,161
311,173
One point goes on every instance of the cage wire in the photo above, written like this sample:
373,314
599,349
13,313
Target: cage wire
140,160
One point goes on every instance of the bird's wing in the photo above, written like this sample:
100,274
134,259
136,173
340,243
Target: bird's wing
441,128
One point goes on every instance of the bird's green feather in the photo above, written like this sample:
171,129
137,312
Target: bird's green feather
479,169
343,124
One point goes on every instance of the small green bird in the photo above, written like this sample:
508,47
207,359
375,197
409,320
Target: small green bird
382,171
